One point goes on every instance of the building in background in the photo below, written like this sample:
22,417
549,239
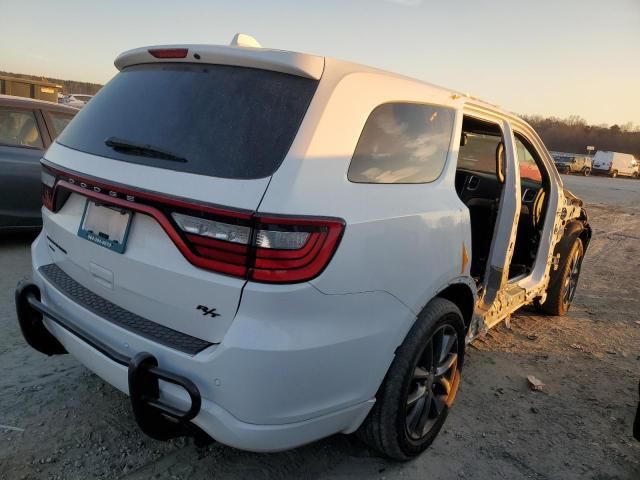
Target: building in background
23,87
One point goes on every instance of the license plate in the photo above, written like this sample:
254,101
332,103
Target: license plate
105,225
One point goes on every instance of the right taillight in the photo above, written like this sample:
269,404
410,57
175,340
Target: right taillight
291,250
271,249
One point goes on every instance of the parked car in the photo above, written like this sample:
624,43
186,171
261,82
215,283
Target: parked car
305,250
27,128
76,100
566,163
615,164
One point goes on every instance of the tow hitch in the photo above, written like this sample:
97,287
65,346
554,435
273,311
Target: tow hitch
155,418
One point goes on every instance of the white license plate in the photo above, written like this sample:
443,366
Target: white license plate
105,225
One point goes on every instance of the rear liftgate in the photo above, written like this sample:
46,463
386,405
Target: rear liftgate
154,417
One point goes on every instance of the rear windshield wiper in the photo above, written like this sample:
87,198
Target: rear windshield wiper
129,147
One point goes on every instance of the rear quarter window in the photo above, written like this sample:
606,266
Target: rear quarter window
403,143
58,121
19,128
225,121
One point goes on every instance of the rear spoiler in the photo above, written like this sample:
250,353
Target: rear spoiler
300,64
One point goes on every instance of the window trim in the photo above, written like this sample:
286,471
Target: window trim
453,109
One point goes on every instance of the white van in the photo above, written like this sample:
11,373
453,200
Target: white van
273,247
614,164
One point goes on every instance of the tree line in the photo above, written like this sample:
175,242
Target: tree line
573,135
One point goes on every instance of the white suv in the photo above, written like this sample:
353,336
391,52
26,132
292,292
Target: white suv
272,247
76,100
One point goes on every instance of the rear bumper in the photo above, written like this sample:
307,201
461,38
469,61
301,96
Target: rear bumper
295,366
155,417
178,407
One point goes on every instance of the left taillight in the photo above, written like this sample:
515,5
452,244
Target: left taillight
48,180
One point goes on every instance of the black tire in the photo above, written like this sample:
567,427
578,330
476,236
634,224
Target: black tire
412,396
614,174
586,172
561,291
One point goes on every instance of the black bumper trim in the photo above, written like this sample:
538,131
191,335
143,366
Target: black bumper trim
156,418
119,316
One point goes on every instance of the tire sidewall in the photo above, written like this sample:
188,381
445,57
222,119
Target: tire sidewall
577,245
437,313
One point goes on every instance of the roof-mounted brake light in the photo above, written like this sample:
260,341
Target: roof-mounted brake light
169,52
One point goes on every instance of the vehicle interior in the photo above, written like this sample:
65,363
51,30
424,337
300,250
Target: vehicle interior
534,185
479,183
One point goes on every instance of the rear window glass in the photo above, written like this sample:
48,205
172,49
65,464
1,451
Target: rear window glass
402,143
221,121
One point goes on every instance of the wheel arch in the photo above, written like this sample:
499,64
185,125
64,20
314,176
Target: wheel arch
460,294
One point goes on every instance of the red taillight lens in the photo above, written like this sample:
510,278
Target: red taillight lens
291,250
48,182
265,249
169,52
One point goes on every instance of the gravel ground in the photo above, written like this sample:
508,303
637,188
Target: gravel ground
58,420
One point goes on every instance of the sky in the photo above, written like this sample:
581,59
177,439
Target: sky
546,57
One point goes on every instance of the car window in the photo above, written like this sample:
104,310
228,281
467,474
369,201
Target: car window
478,153
529,169
19,128
403,143
224,121
58,121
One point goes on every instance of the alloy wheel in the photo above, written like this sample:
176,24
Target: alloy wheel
571,282
434,383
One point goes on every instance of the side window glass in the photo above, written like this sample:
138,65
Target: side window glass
478,152
403,143
19,128
58,121
529,169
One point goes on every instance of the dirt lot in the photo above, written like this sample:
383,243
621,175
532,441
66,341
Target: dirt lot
60,421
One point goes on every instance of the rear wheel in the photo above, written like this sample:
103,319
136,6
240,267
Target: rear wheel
560,293
420,386
614,174
586,172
